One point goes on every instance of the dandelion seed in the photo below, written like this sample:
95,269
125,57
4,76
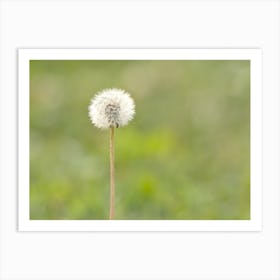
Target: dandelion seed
111,108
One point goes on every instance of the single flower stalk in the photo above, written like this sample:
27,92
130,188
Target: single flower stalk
110,109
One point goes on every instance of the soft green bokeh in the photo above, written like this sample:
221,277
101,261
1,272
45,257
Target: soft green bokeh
186,155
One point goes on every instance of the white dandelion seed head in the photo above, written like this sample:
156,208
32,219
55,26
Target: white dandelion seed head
111,108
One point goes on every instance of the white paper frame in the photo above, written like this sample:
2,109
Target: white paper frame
253,55
139,255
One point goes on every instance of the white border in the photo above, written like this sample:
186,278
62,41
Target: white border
254,55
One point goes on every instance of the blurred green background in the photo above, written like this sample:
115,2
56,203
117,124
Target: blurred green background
184,156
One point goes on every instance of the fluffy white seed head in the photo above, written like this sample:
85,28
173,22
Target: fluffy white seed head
111,108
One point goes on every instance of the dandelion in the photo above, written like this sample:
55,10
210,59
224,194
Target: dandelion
110,109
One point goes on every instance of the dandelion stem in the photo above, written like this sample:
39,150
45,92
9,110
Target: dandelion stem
112,175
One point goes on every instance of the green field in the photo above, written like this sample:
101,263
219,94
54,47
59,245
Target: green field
186,155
